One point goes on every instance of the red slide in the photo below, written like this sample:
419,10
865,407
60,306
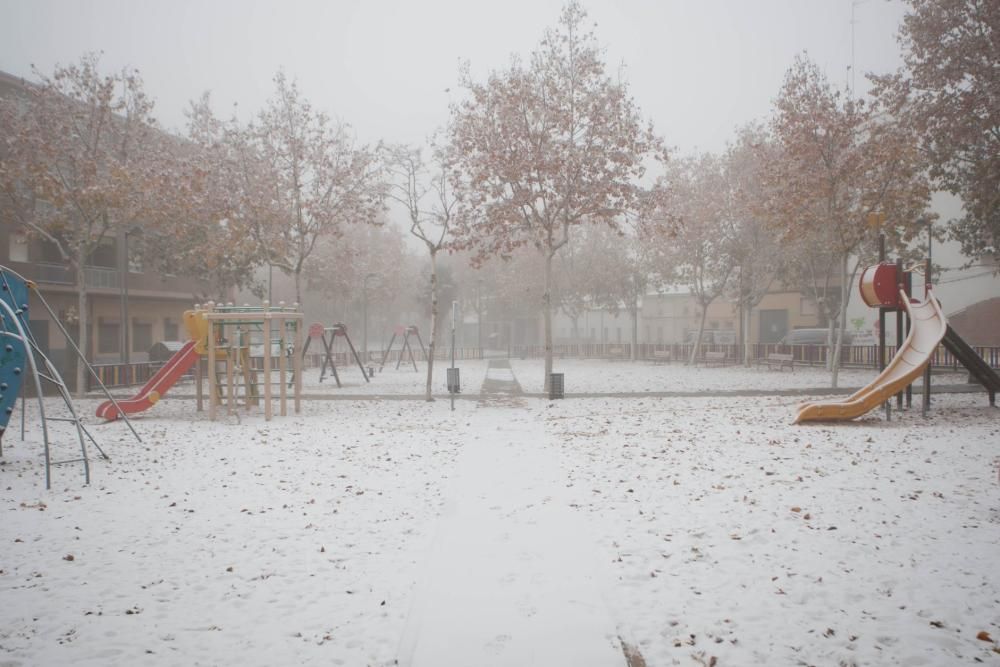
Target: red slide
156,387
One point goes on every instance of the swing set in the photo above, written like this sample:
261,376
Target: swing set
327,336
405,333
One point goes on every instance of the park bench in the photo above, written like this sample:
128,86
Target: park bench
778,359
712,358
661,356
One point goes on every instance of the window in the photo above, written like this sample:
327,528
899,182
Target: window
50,252
170,331
713,324
108,337
18,247
659,334
142,336
134,261
619,334
133,242
104,255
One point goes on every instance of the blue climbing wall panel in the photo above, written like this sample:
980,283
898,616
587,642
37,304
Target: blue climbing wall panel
13,362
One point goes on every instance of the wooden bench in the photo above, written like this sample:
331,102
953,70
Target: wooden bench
661,356
778,359
712,358
615,352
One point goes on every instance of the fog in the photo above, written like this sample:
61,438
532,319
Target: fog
537,392
390,67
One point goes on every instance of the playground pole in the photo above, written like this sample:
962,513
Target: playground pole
909,290
881,327
901,285
926,404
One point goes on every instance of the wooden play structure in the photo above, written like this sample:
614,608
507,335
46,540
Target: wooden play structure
404,333
327,336
229,340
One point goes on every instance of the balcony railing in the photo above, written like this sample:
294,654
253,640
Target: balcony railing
59,274
101,278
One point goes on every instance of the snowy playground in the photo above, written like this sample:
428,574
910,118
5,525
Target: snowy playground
610,530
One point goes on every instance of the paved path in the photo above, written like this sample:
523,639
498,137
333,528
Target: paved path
510,579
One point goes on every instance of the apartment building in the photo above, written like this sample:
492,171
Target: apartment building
129,307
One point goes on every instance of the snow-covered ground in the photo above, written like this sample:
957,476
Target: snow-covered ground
512,533
585,376
738,536
390,381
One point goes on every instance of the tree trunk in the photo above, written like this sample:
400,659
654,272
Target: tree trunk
701,332
747,345
841,323
298,287
428,396
83,324
547,305
635,327
830,338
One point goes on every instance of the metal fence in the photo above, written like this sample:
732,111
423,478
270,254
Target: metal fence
122,375
856,356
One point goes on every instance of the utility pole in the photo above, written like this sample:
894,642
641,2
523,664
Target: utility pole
479,316
364,307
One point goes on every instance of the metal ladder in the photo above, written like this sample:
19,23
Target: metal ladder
33,354
50,374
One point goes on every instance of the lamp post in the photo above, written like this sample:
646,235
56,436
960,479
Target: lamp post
123,299
479,316
364,305
123,290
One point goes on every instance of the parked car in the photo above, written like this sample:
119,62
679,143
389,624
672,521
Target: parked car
811,337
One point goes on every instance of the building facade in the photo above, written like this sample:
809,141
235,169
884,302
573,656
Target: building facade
129,306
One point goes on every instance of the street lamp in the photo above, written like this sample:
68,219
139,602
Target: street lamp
123,294
479,315
364,302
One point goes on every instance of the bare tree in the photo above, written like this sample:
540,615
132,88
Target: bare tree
302,178
697,207
424,191
948,92
841,161
82,164
544,147
615,270
756,248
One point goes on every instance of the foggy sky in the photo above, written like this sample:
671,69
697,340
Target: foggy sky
697,68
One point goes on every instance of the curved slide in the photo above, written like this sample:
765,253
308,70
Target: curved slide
156,386
928,326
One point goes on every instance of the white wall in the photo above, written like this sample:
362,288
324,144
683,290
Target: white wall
957,287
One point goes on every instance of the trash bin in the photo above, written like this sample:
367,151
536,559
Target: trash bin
556,385
454,386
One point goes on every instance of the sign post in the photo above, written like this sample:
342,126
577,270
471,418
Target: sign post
453,388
